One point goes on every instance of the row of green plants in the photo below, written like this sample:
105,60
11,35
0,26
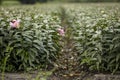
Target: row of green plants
27,40
94,38
97,36
31,39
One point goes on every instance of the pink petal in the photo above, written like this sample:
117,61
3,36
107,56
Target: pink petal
61,32
15,23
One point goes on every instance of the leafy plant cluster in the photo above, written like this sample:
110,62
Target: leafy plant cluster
34,44
92,36
97,36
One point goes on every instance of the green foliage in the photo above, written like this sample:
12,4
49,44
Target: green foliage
28,1
42,1
91,35
92,0
97,39
34,44
0,2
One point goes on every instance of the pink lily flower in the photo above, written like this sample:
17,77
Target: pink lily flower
15,23
61,32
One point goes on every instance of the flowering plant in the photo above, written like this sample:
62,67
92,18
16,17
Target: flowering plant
15,23
61,32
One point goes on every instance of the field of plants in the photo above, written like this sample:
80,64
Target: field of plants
66,38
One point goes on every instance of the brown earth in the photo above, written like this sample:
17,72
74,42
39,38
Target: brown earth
59,76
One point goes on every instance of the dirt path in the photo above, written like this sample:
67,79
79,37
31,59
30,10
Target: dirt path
57,76
34,75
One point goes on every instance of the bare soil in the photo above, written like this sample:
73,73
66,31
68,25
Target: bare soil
57,75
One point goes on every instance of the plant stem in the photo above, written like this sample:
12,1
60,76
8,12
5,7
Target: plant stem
3,71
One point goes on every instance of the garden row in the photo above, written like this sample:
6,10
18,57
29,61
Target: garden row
31,39
28,39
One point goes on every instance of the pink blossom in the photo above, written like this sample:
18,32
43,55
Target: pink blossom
61,31
15,23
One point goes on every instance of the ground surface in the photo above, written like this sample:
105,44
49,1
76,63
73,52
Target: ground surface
48,76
